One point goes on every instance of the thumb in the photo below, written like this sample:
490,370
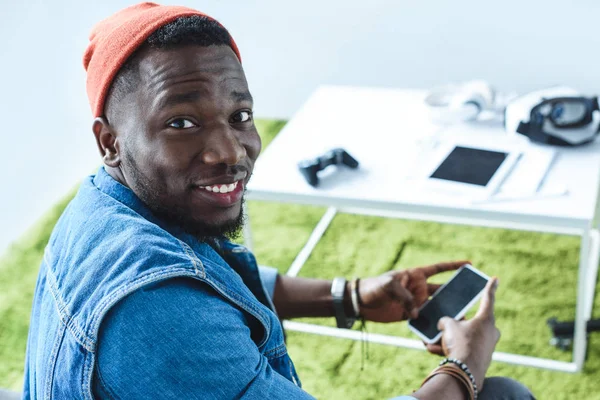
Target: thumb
446,323
486,307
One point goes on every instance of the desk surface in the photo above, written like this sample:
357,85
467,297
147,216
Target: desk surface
386,130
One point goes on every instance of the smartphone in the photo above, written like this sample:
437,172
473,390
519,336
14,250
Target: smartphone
453,299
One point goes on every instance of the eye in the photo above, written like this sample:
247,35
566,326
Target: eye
181,123
242,116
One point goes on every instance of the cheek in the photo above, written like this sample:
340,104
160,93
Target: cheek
172,155
165,166
253,145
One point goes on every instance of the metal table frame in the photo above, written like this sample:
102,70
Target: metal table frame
586,281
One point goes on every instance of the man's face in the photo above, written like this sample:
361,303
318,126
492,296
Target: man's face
186,137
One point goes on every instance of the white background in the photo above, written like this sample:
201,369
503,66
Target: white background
288,48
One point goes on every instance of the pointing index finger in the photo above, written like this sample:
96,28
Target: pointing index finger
442,267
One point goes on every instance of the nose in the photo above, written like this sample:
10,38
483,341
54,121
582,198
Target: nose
223,148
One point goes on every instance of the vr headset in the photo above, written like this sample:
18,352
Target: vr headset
558,116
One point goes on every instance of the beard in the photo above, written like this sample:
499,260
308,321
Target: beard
174,214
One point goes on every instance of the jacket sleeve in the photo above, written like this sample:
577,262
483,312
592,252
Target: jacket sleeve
179,339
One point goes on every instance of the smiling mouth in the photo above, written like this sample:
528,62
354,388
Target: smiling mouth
222,194
221,188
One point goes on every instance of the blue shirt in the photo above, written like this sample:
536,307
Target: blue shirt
127,306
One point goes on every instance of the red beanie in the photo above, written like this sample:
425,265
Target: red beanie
117,37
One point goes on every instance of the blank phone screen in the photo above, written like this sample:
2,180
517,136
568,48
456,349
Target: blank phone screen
449,301
468,165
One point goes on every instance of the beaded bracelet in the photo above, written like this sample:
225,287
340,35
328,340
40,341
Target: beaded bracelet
455,372
465,368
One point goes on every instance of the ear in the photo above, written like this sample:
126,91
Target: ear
107,142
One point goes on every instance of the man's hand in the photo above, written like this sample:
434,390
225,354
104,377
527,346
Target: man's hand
472,341
397,295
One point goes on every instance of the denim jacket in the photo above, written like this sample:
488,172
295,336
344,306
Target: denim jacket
108,245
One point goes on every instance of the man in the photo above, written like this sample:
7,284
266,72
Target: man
140,294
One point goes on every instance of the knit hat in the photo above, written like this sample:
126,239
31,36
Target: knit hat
117,37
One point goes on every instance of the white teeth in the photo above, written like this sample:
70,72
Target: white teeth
225,188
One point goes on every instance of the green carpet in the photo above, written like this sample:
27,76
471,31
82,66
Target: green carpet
537,281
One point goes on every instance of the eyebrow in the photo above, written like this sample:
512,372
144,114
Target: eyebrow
242,96
189,97
180,98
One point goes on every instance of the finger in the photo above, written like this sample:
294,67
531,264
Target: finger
403,295
404,280
432,288
442,267
435,349
486,308
445,323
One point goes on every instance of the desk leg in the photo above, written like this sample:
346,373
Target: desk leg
586,283
312,241
417,344
592,273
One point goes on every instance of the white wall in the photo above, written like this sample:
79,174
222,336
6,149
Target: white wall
288,48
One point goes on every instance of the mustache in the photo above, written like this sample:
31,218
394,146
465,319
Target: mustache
234,172
238,169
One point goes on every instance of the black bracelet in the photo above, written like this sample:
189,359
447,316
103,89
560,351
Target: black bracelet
464,367
360,302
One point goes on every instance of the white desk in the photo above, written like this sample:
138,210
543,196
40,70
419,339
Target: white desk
384,130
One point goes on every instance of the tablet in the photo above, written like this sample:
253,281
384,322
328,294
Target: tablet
473,171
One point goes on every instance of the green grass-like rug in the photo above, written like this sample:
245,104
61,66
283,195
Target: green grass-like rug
537,273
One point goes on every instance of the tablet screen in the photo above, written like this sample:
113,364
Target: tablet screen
469,165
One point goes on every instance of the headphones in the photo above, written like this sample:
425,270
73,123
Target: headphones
461,102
